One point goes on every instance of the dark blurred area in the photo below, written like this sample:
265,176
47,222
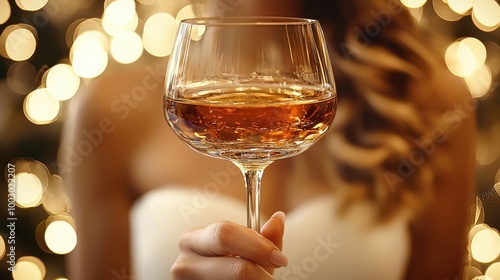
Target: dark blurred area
22,136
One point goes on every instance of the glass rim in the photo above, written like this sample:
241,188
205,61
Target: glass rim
249,21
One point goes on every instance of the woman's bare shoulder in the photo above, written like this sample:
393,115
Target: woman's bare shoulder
444,91
112,111
117,94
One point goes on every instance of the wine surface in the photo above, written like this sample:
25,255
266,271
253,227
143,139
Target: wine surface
252,124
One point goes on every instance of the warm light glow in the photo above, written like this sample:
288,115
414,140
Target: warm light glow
60,237
62,82
493,271
89,55
192,11
482,277
159,34
29,190
55,200
477,48
471,271
40,236
466,59
485,246
460,6
465,56
20,43
40,107
417,13
486,14
5,11
2,247
444,11
496,187
479,212
126,47
119,16
31,5
146,2
413,3
29,268
475,229
21,77
82,26
479,83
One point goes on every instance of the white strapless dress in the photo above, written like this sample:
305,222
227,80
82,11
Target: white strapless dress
319,245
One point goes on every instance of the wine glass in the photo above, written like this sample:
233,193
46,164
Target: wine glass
251,90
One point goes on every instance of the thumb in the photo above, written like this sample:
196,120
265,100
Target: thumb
274,228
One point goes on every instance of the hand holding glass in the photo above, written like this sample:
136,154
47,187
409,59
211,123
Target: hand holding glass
251,90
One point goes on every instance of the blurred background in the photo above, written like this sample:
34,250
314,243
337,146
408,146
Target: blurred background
50,49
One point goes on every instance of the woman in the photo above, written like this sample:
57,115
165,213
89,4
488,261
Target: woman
384,195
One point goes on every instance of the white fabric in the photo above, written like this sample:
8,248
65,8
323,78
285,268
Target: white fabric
318,244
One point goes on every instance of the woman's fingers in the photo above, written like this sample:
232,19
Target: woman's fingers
274,229
230,239
226,250
195,267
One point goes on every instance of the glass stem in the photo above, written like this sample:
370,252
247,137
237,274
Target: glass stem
253,177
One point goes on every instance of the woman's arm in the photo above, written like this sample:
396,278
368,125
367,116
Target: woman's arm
97,143
439,235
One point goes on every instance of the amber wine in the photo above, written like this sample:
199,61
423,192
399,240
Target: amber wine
252,124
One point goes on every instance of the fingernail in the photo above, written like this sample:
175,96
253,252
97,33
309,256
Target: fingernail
278,259
280,215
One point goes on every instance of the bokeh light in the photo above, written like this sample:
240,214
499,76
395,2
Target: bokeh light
29,190
61,81
21,77
119,16
40,107
444,11
2,247
471,271
55,200
482,277
159,34
413,3
486,14
40,236
478,48
460,6
82,26
465,56
126,47
479,82
5,11
60,235
32,166
192,11
485,245
475,229
493,271
497,188
20,42
31,5
89,54
29,268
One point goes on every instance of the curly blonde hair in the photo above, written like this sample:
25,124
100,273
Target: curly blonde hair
379,55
